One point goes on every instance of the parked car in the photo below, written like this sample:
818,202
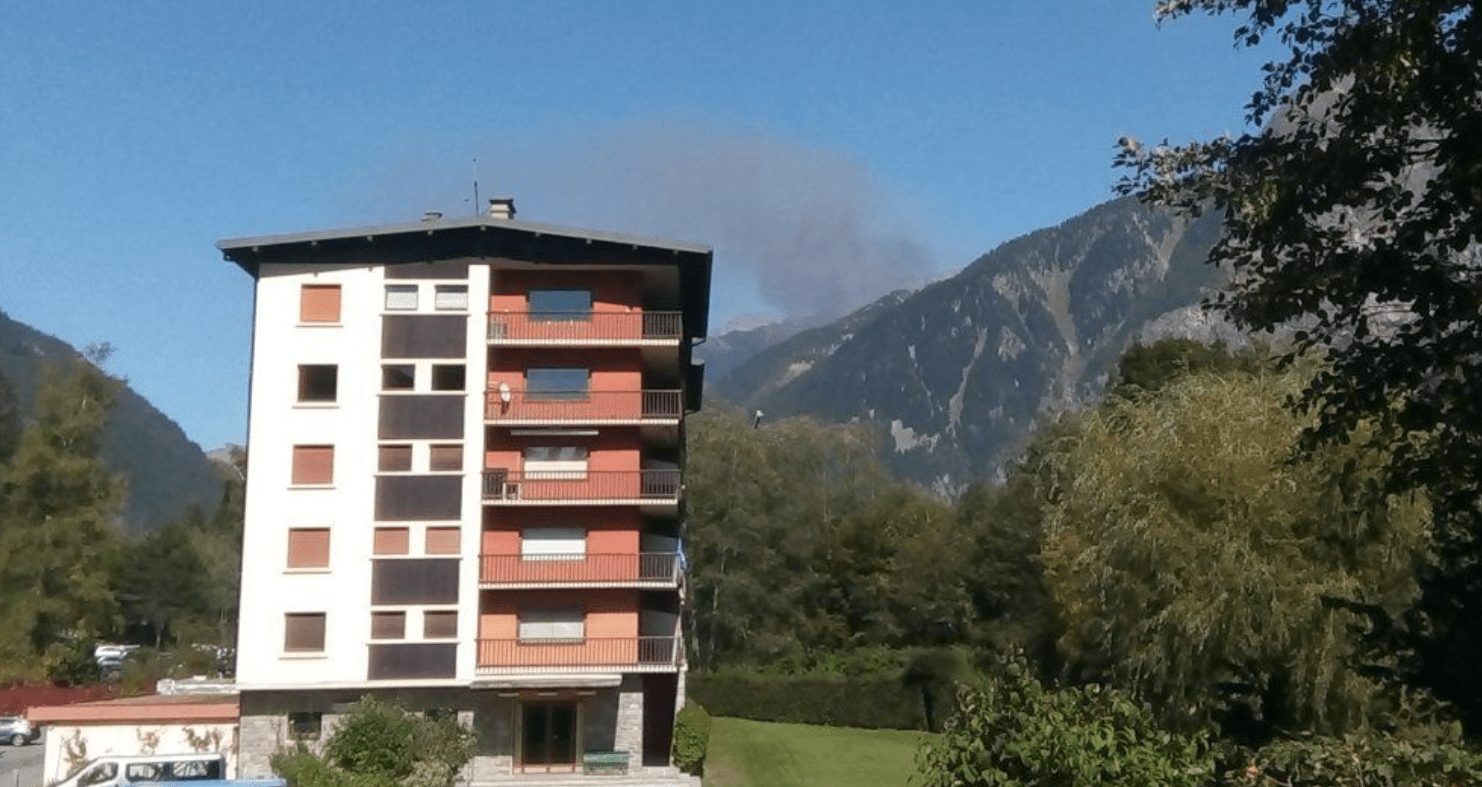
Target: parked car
16,731
121,771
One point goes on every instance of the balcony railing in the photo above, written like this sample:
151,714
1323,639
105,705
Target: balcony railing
583,406
590,486
632,653
660,568
584,327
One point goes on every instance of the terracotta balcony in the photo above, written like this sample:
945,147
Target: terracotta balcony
625,487
629,654
538,408
649,570
585,328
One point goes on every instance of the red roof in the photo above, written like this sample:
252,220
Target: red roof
151,708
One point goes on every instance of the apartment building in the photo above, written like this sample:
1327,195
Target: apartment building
465,485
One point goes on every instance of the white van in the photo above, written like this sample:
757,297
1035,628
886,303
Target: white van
150,768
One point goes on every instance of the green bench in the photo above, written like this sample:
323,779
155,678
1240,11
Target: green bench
615,762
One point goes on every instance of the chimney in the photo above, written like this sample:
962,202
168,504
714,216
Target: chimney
501,207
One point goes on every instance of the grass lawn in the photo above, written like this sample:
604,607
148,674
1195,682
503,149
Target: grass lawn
770,754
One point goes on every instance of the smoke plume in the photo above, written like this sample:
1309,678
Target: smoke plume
797,230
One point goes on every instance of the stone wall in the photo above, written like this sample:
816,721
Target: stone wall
629,734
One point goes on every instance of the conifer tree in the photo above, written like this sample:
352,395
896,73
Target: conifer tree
59,507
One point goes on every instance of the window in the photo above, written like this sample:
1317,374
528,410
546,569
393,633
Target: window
318,382
143,771
392,541
398,377
442,541
553,543
450,297
304,725
184,770
313,464
388,625
308,547
561,305
448,377
394,458
440,624
399,581
401,297
546,462
303,632
557,383
319,303
445,458
99,774
552,624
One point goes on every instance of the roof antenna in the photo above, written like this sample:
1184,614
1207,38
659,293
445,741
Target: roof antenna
475,187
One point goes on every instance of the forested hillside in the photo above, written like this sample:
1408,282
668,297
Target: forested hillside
68,574
166,474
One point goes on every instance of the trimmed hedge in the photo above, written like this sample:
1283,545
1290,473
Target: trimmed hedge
871,702
691,739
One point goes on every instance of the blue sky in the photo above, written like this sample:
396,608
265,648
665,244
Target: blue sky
829,151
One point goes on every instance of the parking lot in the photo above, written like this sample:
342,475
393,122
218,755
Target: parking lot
20,766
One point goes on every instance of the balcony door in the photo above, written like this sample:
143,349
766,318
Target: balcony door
548,736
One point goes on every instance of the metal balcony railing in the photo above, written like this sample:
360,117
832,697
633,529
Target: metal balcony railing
615,569
565,486
579,327
568,654
583,406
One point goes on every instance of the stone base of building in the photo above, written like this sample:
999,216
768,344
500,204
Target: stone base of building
523,735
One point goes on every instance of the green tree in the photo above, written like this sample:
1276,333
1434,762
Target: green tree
11,422
162,582
770,510
1012,731
1354,214
58,511
1196,564
1006,582
380,744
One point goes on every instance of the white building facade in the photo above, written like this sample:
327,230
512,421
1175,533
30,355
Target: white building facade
464,486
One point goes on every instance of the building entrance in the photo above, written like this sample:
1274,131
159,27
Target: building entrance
548,736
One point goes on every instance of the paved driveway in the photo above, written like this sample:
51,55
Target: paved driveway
20,766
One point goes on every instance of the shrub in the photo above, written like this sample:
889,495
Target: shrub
378,744
1014,732
871,702
691,739
1361,758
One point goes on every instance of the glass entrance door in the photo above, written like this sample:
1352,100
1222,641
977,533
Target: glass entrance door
548,736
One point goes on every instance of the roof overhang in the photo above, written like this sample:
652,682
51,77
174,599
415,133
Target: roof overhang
152,709
486,238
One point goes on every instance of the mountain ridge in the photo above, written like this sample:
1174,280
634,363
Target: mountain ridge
167,474
956,374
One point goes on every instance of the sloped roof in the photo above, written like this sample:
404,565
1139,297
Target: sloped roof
151,708
485,237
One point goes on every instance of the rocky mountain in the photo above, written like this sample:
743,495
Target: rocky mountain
165,471
956,374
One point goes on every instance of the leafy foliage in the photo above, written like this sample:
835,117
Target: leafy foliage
691,738
1014,732
1362,758
801,547
1354,215
379,744
1196,565
11,422
58,505
879,701
75,665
